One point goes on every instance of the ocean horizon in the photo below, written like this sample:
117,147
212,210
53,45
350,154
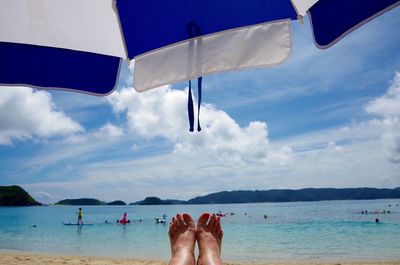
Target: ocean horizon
323,230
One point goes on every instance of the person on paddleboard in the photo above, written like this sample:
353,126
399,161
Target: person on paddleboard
80,215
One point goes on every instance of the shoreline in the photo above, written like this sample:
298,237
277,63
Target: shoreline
17,257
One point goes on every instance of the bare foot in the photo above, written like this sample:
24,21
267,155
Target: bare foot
182,235
209,236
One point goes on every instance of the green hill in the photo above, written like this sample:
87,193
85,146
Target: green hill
153,201
83,201
116,203
158,201
286,195
16,196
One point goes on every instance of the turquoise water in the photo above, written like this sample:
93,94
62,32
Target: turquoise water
334,230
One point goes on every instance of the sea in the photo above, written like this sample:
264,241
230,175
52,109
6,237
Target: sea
316,231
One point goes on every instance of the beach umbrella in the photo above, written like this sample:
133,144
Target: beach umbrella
79,45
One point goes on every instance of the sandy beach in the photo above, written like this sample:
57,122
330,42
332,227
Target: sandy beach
22,258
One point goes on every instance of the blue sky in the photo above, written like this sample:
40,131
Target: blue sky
323,118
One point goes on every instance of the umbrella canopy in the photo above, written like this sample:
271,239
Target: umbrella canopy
78,45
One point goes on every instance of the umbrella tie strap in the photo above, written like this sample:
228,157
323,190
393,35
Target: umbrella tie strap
194,31
191,107
199,83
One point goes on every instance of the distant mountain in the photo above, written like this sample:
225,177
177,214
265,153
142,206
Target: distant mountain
169,201
116,203
152,201
286,195
157,201
83,201
249,196
16,196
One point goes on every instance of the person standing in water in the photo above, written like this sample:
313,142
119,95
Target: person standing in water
80,215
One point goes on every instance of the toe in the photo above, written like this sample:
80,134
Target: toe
217,226
202,222
180,220
174,223
171,230
188,219
211,224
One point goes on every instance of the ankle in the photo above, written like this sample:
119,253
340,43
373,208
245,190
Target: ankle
181,249
182,257
183,252
209,252
209,258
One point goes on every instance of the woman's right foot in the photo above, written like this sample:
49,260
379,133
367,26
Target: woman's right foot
182,235
209,237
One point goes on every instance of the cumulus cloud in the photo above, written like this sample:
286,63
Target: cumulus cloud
161,113
26,114
388,106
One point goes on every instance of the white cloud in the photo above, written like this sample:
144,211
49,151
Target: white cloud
109,130
334,147
388,106
79,147
161,113
26,114
359,154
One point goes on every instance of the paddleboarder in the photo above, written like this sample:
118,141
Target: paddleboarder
80,215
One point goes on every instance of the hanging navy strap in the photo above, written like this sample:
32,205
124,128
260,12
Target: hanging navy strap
193,31
190,105
199,82
190,108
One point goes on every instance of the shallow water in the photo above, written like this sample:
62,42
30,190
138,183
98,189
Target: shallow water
329,230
